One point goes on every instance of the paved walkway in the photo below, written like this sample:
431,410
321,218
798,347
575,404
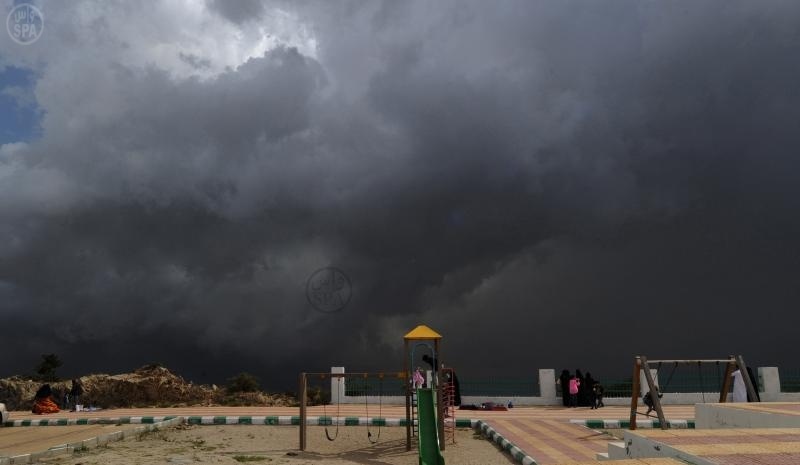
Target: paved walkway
751,446
629,462
780,408
553,441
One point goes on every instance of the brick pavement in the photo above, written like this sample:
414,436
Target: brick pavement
734,446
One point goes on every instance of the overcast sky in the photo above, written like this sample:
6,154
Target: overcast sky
549,184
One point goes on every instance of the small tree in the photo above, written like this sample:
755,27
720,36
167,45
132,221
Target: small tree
47,367
243,382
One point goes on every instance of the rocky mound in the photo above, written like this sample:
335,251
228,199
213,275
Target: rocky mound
149,386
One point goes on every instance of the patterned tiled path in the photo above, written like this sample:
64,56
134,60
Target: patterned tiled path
782,408
552,441
752,446
629,462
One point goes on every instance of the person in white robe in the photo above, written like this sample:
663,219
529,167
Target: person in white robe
739,389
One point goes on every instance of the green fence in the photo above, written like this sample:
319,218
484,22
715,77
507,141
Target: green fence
790,379
617,388
679,383
706,377
487,387
374,386
500,387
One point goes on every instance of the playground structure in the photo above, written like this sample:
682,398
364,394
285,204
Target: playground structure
642,364
430,412
421,337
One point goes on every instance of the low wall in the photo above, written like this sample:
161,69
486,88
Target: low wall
768,380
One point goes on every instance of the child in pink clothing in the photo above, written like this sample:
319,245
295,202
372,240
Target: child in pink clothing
417,379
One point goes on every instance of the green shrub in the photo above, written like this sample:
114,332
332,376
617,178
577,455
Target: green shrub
243,382
47,367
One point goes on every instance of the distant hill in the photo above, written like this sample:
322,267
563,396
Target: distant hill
148,386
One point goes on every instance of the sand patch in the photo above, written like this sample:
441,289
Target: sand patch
277,445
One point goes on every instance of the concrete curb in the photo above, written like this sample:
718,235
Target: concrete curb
294,420
101,440
504,443
89,421
625,424
283,420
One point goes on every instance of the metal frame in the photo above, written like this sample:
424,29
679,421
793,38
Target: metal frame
303,393
642,364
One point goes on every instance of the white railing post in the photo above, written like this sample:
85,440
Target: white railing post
547,386
337,386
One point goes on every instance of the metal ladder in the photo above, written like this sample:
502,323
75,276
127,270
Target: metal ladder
449,404
414,419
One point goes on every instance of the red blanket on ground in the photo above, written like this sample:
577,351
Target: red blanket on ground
45,405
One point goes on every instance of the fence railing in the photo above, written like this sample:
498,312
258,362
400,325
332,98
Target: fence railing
615,389
500,387
374,386
684,383
790,380
684,378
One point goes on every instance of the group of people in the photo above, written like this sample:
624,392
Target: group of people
578,390
44,402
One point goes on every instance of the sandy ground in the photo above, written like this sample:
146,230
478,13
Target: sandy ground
277,445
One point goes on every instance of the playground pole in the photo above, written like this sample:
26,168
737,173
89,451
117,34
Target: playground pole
408,394
303,393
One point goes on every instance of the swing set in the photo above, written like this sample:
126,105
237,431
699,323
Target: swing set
337,420
642,364
430,444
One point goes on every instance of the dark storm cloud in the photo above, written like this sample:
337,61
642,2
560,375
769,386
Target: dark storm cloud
238,11
539,172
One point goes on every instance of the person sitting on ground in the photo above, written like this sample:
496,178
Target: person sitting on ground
648,400
43,401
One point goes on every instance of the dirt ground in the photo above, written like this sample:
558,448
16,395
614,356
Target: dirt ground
22,440
277,445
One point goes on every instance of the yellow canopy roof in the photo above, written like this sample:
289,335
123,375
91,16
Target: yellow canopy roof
422,332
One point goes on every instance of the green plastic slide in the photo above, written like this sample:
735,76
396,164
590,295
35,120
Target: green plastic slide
429,452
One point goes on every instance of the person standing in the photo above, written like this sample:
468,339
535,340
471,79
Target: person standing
76,393
739,389
574,387
581,387
418,379
587,390
563,381
598,395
